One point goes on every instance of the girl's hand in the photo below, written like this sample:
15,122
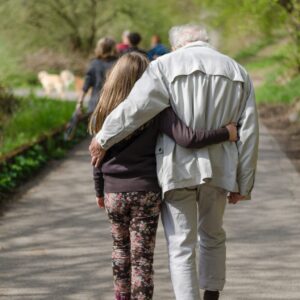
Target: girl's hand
233,135
100,202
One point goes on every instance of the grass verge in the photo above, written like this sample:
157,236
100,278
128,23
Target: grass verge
273,92
33,118
22,167
31,133
267,63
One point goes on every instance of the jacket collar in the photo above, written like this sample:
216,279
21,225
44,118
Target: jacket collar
198,44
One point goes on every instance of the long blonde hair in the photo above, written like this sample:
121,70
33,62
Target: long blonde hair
121,79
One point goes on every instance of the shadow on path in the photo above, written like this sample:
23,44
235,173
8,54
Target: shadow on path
56,244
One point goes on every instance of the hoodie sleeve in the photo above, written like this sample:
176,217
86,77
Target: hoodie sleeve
98,182
187,137
89,79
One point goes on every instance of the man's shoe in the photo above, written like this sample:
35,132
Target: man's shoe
211,295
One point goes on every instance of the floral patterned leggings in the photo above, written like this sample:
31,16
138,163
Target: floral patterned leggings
134,218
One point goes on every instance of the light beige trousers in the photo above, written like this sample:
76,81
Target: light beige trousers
190,215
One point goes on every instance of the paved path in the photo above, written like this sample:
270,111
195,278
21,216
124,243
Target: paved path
39,92
55,243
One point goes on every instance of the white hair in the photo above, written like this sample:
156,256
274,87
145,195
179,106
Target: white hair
181,35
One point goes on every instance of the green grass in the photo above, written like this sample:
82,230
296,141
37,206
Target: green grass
27,164
24,79
33,118
268,61
264,62
252,50
272,92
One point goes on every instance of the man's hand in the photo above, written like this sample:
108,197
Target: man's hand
100,202
233,135
234,198
97,153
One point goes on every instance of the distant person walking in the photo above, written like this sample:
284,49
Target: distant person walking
134,40
106,56
157,48
124,45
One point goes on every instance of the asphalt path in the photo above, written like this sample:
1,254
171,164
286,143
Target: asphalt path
55,243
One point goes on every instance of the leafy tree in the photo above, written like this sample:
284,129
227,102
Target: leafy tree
70,24
292,7
76,25
240,23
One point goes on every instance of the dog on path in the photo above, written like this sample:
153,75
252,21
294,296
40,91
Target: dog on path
56,83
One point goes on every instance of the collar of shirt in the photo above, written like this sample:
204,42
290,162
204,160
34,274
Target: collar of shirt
198,44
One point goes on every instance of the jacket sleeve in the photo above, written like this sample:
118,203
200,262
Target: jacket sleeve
171,125
147,99
89,79
150,54
98,182
248,143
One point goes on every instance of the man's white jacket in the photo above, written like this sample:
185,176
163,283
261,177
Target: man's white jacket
206,90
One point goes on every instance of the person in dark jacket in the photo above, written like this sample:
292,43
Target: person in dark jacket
134,40
157,48
106,56
128,178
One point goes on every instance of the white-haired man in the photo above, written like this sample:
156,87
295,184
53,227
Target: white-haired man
206,89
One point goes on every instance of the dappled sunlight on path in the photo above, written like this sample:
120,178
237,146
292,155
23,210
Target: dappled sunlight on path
263,234
56,244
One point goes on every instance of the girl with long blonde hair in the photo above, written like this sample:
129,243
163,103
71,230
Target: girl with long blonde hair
128,178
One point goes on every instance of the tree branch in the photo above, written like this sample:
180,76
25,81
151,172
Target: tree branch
287,5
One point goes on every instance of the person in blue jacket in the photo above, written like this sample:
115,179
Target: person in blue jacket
158,49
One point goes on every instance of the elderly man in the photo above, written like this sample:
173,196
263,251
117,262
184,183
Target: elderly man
206,89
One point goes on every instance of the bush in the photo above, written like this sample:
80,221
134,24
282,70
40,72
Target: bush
22,167
33,118
8,103
52,61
